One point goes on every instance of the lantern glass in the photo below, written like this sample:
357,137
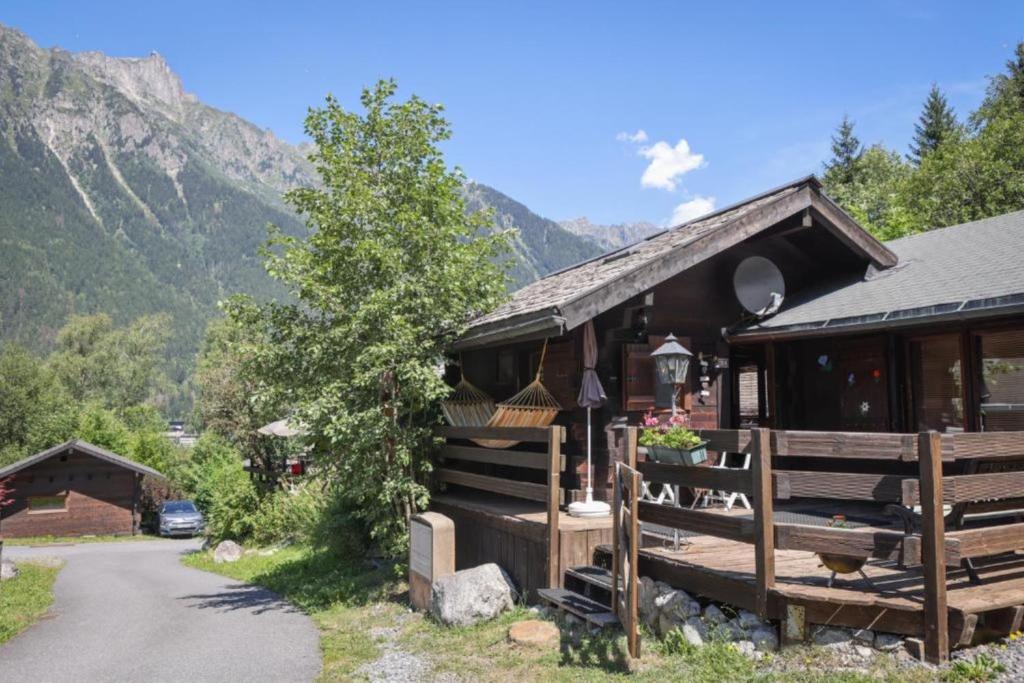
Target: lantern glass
672,361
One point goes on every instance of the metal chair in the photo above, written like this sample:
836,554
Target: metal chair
727,498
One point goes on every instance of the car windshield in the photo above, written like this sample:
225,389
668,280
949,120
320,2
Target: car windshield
179,506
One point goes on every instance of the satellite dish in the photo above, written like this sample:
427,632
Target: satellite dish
759,285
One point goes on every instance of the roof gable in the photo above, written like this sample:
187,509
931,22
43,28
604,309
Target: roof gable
79,446
568,298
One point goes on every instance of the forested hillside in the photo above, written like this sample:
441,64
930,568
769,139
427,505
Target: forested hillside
120,193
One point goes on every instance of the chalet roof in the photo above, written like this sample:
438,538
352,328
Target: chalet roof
568,298
81,447
962,271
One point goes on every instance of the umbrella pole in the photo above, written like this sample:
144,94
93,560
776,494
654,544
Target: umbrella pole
589,507
590,467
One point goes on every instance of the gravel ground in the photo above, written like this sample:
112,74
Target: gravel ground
133,612
394,665
1009,653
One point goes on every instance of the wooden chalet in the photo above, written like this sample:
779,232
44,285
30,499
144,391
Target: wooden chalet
869,387
73,489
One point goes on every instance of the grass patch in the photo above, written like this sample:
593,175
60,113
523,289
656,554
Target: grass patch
348,598
36,541
25,598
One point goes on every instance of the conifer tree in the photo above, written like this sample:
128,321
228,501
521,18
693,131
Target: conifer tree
846,150
936,125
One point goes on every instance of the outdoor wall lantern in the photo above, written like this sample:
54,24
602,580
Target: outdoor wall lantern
672,362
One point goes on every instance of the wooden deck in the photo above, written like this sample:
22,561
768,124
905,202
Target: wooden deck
513,533
724,570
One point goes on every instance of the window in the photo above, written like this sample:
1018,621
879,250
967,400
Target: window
47,504
936,383
1001,385
748,385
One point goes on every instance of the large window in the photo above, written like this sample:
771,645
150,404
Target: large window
1001,385
47,504
937,383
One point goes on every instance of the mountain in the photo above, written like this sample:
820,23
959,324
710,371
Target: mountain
609,237
122,193
541,245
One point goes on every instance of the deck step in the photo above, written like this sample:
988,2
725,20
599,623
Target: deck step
583,607
595,576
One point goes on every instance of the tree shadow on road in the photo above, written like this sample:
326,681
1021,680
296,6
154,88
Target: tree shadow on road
254,598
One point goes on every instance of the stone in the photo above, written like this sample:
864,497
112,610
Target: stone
765,639
748,620
729,631
694,631
8,570
830,635
713,615
472,595
746,647
535,633
864,636
647,591
887,642
863,651
674,608
227,551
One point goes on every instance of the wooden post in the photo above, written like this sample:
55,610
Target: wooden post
631,446
633,585
555,435
764,522
616,522
933,545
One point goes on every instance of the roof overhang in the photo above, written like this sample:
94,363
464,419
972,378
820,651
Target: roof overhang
974,309
81,447
586,305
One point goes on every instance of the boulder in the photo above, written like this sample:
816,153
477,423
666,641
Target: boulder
535,633
674,608
472,595
714,616
227,551
748,620
765,639
647,591
694,631
729,631
887,642
8,570
746,647
831,635
863,636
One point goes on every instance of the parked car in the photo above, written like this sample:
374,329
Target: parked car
180,518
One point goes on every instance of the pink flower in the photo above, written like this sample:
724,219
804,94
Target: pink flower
679,420
650,420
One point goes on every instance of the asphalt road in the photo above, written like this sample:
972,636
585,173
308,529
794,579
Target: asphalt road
131,611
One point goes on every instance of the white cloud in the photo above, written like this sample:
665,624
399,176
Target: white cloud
695,208
668,163
639,136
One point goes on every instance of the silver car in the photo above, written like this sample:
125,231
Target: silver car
180,518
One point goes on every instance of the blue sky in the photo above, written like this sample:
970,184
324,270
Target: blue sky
539,93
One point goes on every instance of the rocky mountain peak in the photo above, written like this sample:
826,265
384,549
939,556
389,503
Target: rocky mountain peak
609,236
145,80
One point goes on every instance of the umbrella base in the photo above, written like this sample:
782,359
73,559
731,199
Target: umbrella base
590,508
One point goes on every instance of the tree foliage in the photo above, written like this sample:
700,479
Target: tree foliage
937,125
961,173
392,271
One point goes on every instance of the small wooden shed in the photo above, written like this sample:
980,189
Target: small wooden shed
73,489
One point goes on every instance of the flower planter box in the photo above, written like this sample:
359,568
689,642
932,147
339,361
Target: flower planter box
678,456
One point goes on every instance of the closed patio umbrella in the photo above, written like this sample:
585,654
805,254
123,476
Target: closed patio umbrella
591,396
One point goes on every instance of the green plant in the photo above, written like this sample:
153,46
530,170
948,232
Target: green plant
978,669
25,598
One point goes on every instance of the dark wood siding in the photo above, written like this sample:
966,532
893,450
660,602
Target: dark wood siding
100,498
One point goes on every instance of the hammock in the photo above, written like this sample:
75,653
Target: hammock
534,406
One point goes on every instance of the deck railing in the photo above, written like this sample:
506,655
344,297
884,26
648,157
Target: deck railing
928,544
550,461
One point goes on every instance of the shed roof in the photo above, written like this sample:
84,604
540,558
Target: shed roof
81,447
968,270
568,298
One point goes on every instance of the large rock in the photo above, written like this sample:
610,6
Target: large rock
831,635
8,570
647,592
888,642
535,633
472,595
227,551
765,638
714,616
748,620
674,608
694,631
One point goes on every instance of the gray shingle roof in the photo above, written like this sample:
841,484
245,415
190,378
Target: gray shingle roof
81,447
949,271
566,298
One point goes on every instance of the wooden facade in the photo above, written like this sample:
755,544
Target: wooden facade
75,490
